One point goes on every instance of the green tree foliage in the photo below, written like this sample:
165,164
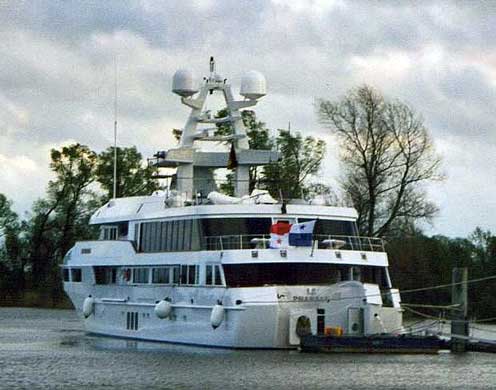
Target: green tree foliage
132,177
62,217
300,158
417,261
387,155
7,216
11,253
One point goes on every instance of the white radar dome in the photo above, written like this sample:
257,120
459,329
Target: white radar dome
183,83
253,85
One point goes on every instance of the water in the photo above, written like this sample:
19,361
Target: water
49,349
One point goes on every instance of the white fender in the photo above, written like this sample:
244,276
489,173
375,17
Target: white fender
217,316
88,306
163,309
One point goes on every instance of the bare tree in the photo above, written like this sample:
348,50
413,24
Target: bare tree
387,156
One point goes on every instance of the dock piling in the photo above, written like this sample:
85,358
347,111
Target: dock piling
459,323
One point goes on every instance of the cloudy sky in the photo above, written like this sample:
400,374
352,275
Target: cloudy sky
57,78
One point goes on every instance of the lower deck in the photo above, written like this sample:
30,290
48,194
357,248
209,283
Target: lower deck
265,317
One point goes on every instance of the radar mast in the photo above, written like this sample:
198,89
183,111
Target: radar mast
195,166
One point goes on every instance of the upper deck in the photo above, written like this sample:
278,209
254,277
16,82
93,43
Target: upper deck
141,208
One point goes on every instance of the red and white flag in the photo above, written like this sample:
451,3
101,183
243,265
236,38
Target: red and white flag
279,234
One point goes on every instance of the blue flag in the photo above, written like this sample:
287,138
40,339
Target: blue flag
301,234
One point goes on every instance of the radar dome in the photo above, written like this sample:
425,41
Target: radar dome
253,85
183,83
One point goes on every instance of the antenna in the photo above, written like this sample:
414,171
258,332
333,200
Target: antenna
115,129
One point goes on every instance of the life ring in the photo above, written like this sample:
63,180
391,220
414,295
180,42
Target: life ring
127,274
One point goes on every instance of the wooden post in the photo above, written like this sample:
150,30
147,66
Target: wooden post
459,323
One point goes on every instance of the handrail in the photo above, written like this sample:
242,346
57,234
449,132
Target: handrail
321,241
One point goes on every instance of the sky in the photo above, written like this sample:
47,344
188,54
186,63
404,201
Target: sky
57,72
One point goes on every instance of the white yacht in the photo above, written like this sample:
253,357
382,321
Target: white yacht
193,266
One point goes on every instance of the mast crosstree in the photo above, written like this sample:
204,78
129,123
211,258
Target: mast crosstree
195,166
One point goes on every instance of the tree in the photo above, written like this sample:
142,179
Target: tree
62,217
300,158
11,252
7,216
132,177
387,155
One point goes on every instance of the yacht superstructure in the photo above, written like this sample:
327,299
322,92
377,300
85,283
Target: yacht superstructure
183,267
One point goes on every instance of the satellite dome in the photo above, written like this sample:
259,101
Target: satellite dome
253,85
183,83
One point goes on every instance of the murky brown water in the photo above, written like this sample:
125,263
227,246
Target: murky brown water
49,349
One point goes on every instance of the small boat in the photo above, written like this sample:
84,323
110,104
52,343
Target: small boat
405,344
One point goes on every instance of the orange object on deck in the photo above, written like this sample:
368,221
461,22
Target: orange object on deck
333,331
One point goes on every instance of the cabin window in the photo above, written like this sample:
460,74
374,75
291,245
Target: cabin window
175,275
189,274
161,275
213,276
141,275
65,274
218,276
76,275
209,274
105,275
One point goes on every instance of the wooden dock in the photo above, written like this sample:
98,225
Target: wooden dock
406,344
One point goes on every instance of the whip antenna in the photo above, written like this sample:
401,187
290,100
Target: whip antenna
115,130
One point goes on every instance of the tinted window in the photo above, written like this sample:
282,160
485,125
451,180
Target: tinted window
208,275
160,275
76,275
140,275
218,278
251,275
105,275
235,226
332,227
165,236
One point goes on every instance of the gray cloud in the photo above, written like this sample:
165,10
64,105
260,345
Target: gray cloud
57,77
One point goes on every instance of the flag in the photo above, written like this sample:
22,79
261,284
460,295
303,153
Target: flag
232,162
279,234
301,234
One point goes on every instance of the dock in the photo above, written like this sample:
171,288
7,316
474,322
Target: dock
405,344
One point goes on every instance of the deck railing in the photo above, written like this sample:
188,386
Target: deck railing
320,241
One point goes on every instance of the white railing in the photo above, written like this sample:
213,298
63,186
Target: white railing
320,241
